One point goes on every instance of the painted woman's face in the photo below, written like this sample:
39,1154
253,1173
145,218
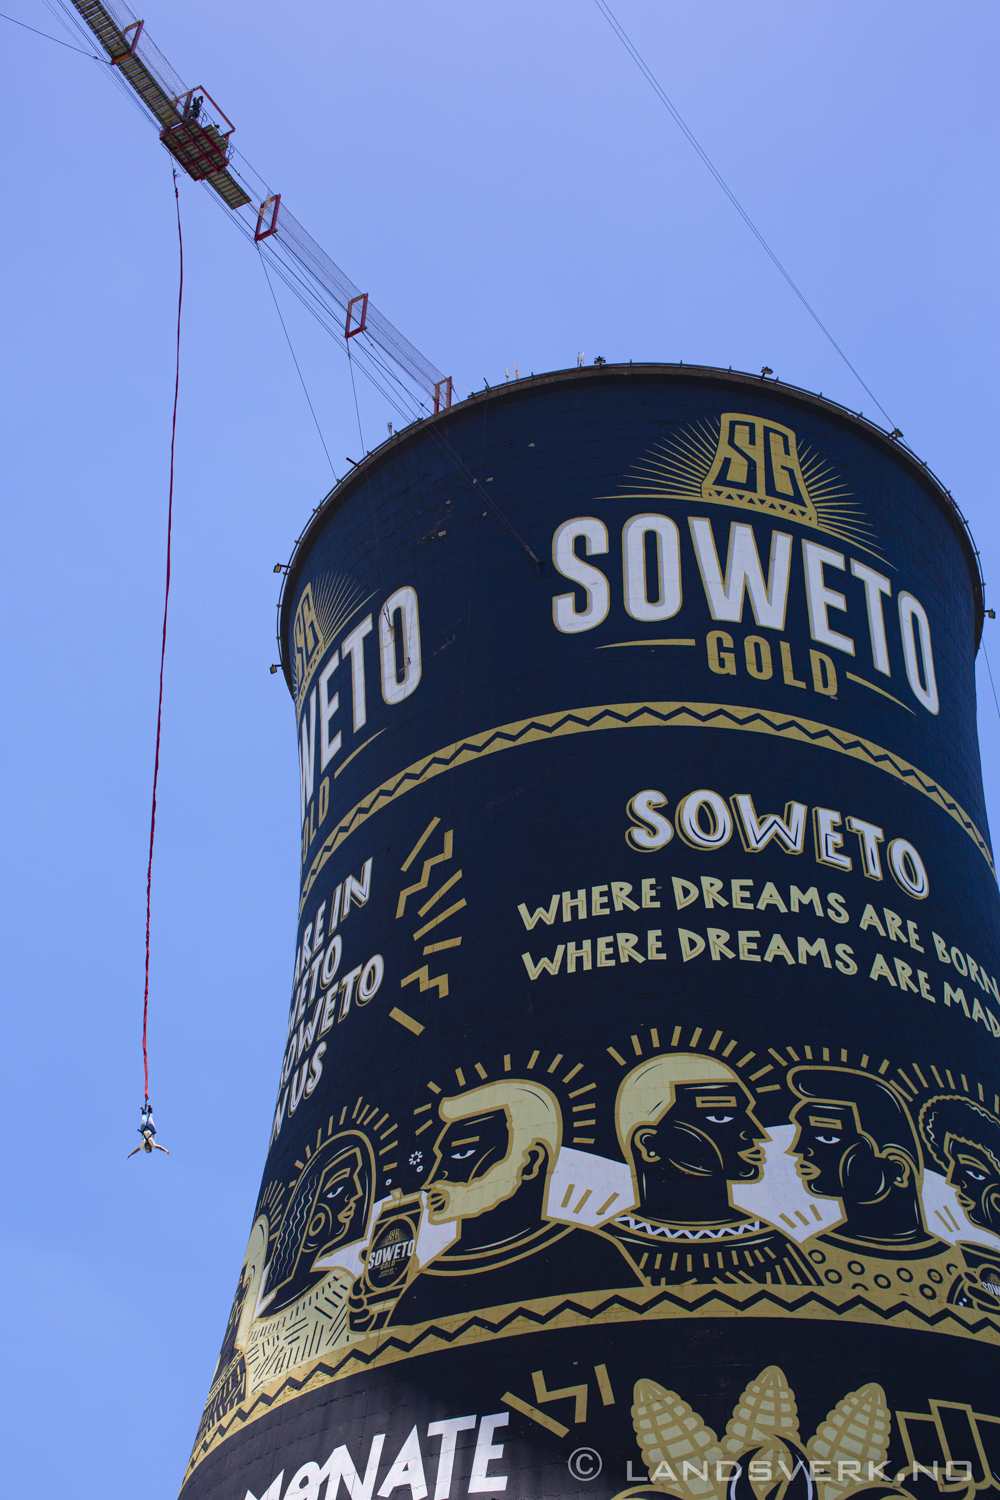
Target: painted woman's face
973,1173
339,1202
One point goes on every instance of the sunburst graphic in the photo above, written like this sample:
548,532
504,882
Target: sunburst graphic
577,1104
337,598
334,599
270,1204
695,466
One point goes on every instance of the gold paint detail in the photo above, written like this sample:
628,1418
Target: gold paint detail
671,1434
345,763
667,1429
527,1410
856,1428
752,464
440,947
404,1020
672,641
756,467
421,841
598,1309
665,715
441,891
872,688
436,921
578,1394
323,610
425,874
440,983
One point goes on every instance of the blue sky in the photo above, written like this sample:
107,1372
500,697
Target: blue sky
506,186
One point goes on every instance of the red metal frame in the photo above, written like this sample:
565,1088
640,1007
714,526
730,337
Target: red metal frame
200,89
201,146
349,332
201,151
442,394
135,26
260,233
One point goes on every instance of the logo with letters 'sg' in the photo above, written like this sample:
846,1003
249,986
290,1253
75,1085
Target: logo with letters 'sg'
755,464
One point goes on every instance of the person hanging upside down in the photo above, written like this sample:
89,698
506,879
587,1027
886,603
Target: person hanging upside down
148,1132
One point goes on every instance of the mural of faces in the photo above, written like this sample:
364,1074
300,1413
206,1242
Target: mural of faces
329,1209
496,1139
964,1139
473,1169
854,1137
710,1130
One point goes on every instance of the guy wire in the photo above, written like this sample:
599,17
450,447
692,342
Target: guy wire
633,52
291,350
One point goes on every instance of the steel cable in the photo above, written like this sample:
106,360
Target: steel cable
675,115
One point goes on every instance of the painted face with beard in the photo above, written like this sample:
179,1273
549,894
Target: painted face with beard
474,1167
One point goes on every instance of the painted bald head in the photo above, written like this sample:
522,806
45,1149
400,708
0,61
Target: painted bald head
690,1115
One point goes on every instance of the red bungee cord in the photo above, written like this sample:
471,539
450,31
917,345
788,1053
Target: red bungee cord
147,1129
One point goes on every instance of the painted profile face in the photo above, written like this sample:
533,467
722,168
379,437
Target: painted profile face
827,1135
710,1130
974,1175
472,1170
328,1209
340,1198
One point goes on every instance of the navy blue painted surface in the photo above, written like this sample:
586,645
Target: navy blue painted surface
516,757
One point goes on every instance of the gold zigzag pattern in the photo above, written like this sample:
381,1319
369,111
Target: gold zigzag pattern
641,716
515,1319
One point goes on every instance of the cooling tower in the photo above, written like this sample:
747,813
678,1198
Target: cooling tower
637,1130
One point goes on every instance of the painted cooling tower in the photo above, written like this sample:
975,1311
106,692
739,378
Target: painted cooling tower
638,1128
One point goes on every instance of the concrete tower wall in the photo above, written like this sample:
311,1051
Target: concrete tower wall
639,1112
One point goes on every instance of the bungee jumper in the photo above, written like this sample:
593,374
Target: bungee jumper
148,1132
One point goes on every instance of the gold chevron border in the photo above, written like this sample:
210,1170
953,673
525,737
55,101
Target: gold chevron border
641,716
609,1309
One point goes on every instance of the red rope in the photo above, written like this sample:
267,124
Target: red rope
163,642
